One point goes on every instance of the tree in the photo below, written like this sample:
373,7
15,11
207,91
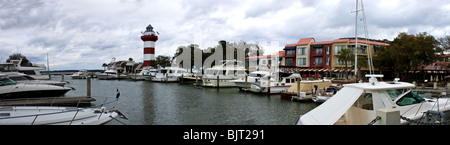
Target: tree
362,62
444,43
162,61
104,65
383,59
18,56
345,56
407,52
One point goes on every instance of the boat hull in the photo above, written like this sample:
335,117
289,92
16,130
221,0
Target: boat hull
256,88
111,77
42,115
32,91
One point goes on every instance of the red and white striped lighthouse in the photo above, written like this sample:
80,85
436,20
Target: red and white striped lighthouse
149,37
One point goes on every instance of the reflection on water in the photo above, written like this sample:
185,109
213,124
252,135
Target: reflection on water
150,103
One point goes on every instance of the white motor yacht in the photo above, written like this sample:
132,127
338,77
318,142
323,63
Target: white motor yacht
43,115
114,71
170,74
111,75
81,74
26,79
228,71
251,78
16,67
356,104
10,89
261,86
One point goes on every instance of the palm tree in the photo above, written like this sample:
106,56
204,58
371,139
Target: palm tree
346,55
362,62
104,65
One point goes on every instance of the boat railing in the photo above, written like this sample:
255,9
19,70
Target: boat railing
48,101
44,114
71,109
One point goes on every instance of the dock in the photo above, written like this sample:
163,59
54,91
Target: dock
434,92
81,101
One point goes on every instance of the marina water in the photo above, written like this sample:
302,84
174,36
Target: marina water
151,103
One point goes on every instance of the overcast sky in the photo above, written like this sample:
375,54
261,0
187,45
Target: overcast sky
84,34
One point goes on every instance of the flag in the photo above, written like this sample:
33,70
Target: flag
117,93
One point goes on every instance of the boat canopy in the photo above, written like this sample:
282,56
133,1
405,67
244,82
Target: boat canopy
330,111
308,86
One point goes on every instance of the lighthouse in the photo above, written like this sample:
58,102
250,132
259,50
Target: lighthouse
149,37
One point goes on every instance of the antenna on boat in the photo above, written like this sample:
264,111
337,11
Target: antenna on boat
373,78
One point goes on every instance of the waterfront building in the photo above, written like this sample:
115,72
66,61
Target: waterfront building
266,62
149,37
320,59
364,45
297,55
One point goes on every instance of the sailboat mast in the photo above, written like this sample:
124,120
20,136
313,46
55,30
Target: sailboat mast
48,67
356,38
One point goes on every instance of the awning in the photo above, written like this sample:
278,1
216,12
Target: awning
331,110
317,46
289,48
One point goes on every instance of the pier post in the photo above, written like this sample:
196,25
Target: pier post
268,86
62,77
167,77
246,81
388,117
88,86
435,85
217,81
182,76
298,86
196,80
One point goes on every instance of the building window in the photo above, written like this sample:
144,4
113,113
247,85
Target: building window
327,50
376,48
301,61
290,52
318,51
289,62
327,61
318,61
338,48
301,51
342,63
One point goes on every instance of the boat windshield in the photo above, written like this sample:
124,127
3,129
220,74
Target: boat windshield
395,93
4,82
410,98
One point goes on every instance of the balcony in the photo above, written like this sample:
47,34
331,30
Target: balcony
317,54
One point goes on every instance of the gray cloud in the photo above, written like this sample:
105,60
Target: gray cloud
85,34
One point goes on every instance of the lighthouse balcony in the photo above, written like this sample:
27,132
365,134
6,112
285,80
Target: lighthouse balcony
149,37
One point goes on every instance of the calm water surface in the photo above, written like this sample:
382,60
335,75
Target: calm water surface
150,103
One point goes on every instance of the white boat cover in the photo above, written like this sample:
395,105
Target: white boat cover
330,111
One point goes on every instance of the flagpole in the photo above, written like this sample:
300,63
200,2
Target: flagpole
117,98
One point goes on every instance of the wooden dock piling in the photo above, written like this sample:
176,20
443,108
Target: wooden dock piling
218,82
268,86
88,86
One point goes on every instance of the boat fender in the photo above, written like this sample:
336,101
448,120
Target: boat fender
102,109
